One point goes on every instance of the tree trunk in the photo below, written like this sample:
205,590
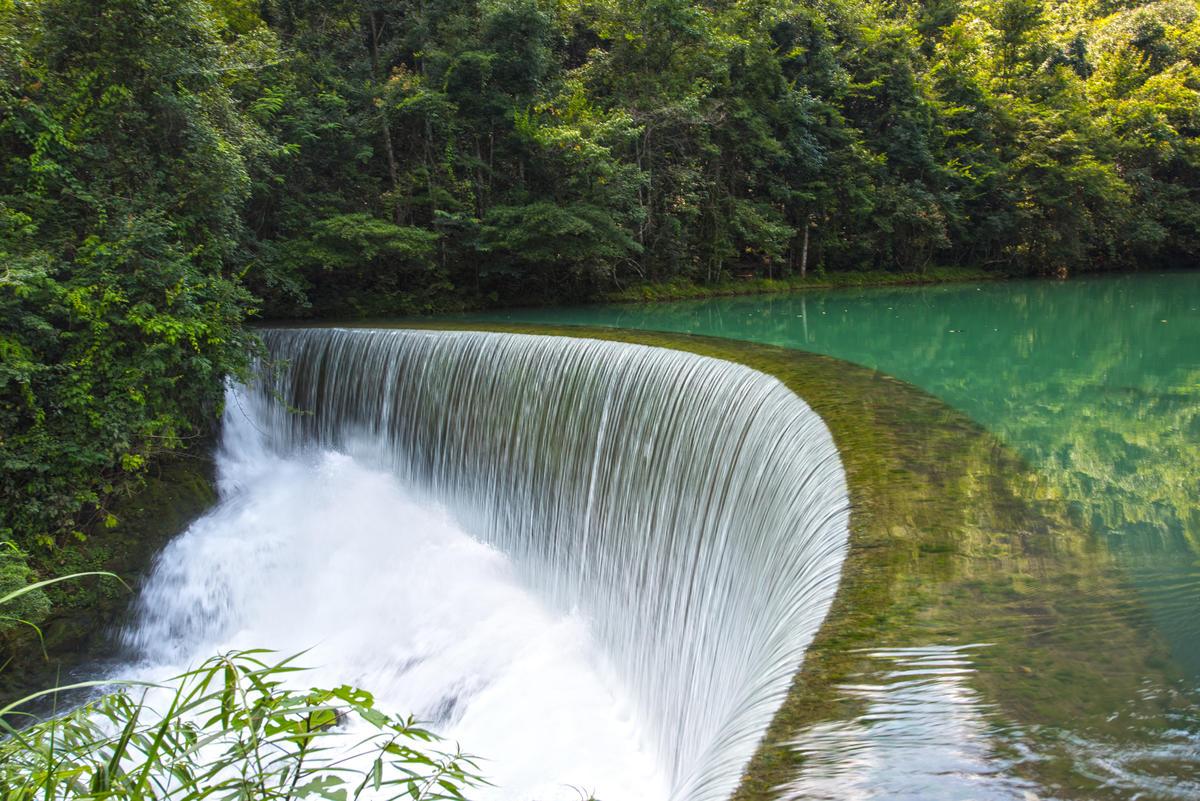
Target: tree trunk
804,251
393,173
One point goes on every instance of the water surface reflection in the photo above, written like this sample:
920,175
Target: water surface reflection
924,733
1083,573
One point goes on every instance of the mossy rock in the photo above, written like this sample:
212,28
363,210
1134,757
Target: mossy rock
80,615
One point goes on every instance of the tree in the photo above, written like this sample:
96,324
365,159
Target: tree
121,186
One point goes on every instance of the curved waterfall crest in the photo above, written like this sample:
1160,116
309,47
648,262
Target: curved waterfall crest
693,510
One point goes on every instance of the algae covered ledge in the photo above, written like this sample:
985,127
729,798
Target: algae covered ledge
83,612
944,517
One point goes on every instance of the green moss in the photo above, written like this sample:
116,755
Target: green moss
80,613
26,609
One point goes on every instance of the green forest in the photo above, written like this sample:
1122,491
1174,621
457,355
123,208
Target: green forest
173,170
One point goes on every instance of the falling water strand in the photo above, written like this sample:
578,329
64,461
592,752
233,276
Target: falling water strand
692,511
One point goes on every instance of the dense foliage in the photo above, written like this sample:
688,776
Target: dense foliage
164,162
445,152
121,185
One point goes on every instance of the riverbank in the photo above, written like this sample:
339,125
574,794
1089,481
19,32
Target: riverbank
84,612
653,292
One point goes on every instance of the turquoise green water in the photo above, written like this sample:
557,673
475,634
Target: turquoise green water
1096,383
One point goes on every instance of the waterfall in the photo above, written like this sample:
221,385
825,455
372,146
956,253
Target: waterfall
688,515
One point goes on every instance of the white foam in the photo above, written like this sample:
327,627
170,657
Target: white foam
328,555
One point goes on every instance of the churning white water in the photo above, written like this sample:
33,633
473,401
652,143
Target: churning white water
595,565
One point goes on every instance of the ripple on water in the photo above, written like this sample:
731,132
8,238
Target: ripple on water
923,732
